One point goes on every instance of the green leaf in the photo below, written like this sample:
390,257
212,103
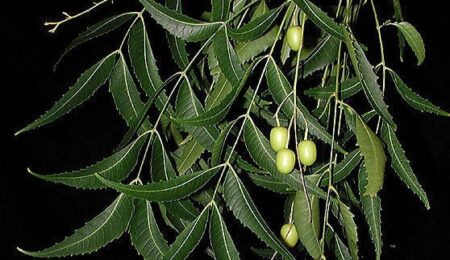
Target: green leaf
247,51
85,87
343,168
265,253
182,26
192,151
413,99
366,117
401,165
220,10
371,206
254,29
188,106
136,123
347,221
220,144
144,232
173,189
220,238
398,14
162,169
270,183
320,18
101,230
347,89
116,167
126,95
144,64
241,204
374,157
182,209
177,46
413,39
228,61
307,225
325,53
161,166
367,76
341,250
189,238
280,88
218,113
99,29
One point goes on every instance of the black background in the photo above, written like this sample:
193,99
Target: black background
34,214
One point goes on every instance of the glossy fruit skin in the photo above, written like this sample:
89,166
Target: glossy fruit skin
294,35
307,152
278,138
285,161
289,234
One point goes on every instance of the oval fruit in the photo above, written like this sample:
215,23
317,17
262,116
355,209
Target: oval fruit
278,138
294,35
289,234
285,161
307,152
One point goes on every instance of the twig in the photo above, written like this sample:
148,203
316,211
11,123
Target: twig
67,17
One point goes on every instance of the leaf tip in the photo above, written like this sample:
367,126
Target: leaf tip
25,252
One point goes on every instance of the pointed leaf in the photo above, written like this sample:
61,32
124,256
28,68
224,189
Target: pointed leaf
270,183
229,63
144,63
85,87
374,157
257,27
116,168
401,165
173,189
192,151
307,224
99,29
367,76
347,221
325,53
144,232
344,167
218,113
371,206
182,26
220,10
161,166
239,201
341,250
126,95
347,89
189,238
413,99
280,88
221,241
177,46
320,18
101,230
413,38
247,51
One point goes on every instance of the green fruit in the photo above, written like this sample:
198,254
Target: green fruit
285,161
278,138
294,37
307,152
289,234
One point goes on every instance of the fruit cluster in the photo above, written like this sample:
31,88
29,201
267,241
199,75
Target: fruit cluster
306,150
285,160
